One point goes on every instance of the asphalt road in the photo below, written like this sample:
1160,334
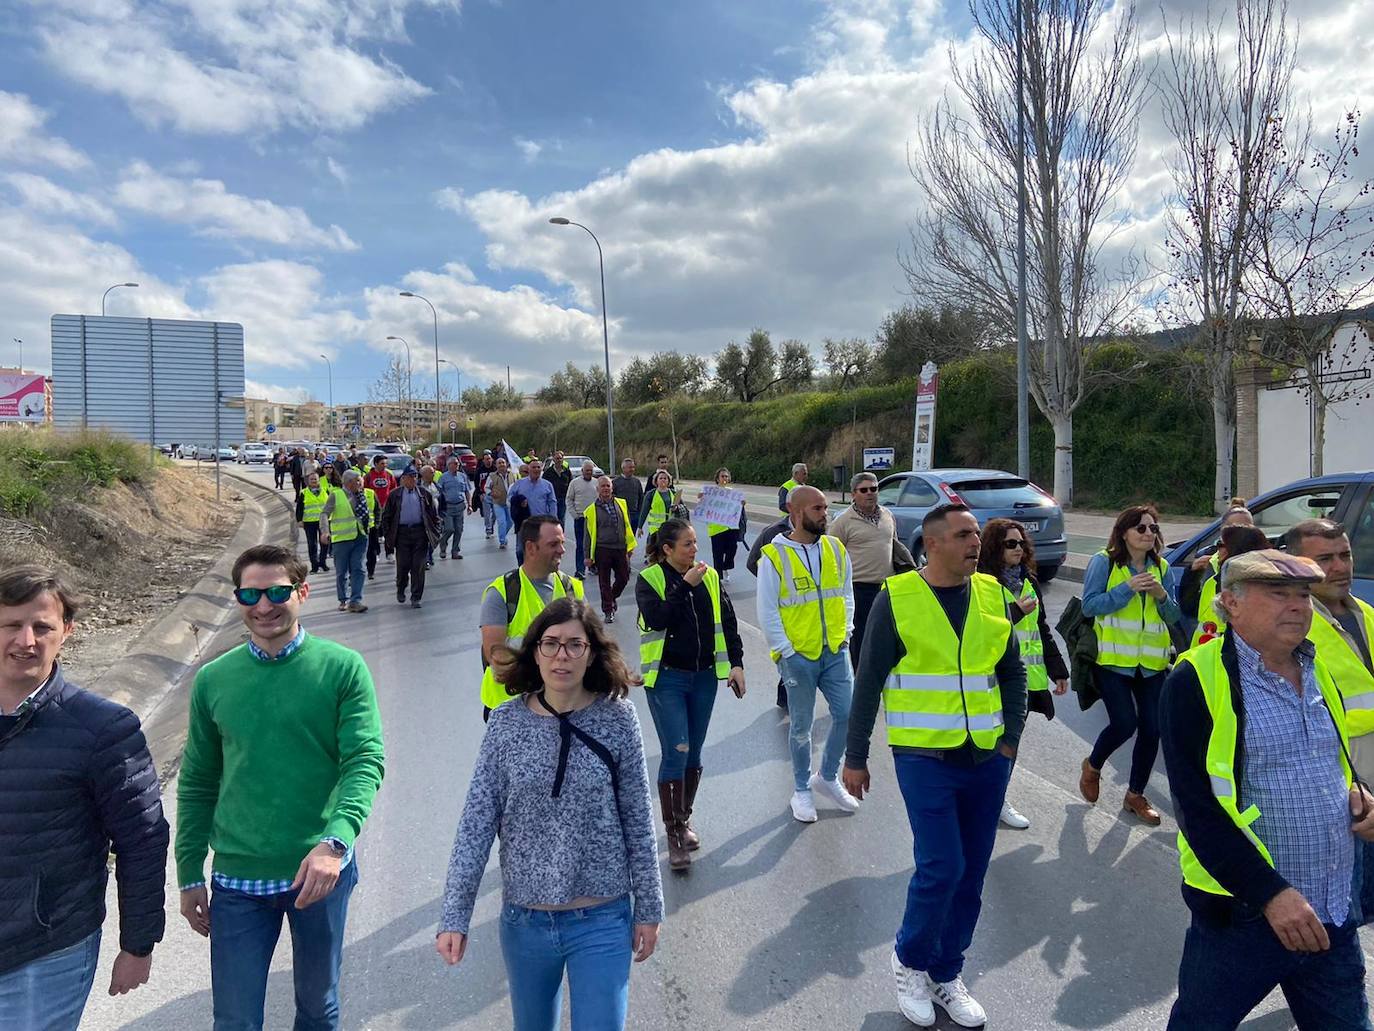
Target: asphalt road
777,925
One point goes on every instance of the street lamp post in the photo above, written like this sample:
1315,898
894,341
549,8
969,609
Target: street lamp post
407,293
459,402
1022,341
558,220
330,365
410,394
107,294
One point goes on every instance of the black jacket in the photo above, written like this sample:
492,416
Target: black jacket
685,613
1222,847
765,537
76,783
391,517
560,478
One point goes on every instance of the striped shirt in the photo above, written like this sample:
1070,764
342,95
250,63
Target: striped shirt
1293,774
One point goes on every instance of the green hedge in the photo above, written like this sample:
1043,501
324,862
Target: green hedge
38,467
1142,435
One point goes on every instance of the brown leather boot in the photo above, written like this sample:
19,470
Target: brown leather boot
671,794
1140,805
689,836
1089,782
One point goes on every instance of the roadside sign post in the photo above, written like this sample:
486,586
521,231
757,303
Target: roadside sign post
271,429
879,459
923,438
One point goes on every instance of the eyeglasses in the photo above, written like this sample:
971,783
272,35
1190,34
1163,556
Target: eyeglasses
549,647
278,594
1013,545
1147,528
865,490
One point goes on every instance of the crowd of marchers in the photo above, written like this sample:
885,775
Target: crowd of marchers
1256,680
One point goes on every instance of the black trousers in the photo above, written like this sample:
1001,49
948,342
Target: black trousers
864,597
723,548
412,551
319,553
374,548
280,473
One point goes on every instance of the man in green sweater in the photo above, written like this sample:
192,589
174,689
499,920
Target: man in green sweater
283,759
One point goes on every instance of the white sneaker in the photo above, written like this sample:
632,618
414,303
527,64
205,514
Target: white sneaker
913,993
1011,818
954,998
803,808
725,577
834,790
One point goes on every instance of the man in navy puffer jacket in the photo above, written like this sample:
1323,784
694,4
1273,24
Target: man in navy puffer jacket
78,784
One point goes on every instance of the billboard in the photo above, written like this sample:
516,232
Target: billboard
21,398
164,381
923,440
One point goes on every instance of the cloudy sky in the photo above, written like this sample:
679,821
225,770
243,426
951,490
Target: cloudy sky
293,164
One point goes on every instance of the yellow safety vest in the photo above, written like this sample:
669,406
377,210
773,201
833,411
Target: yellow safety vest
313,504
1136,634
787,488
1353,679
944,690
1210,622
343,524
1027,630
651,641
658,512
1221,754
528,607
813,615
590,515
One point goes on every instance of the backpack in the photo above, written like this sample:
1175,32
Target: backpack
513,589
1080,638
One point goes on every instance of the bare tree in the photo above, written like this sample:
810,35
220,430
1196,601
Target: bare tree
1083,92
1313,263
1223,110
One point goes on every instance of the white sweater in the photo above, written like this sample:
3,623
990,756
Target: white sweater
770,586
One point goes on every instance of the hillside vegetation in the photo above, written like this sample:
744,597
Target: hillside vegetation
1142,435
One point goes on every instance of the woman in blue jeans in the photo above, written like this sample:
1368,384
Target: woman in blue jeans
1123,590
689,643
561,777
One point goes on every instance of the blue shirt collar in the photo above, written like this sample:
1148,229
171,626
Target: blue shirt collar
291,646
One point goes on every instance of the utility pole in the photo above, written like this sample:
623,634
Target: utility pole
1022,340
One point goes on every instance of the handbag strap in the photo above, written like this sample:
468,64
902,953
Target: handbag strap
566,732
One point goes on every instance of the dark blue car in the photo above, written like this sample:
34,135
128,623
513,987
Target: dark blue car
1347,498
989,493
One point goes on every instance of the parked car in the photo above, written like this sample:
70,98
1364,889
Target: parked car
392,447
1347,498
256,454
575,464
989,493
170,450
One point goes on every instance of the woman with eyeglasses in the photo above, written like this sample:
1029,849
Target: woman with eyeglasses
689,643
561,778
725,539
1123,590
1008,555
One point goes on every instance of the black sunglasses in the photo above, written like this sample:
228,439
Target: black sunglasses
865,490
1147,528
277,595
1013,545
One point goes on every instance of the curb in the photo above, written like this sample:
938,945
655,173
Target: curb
160,657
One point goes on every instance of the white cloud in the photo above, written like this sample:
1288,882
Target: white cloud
529,149
23,141
336,170
236,66
43,195
274,392
208,206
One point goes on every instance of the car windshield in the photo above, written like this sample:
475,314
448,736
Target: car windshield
999,492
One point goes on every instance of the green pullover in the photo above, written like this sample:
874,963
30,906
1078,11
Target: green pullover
278,756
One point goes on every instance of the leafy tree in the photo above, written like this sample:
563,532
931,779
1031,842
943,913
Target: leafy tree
848,362
496,397
746,372
661,375
574,386
796,368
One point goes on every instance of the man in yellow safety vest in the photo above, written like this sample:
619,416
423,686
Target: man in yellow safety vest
1257,750
799,474
940,654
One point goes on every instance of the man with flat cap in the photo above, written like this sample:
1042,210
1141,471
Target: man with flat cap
1258,754
410,526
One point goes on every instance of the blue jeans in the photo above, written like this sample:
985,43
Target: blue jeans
503,521
348,568
562,511
680,703
49,993
832,675
580,532
1228,967
592,944
488,515
453,529
953,812
243,935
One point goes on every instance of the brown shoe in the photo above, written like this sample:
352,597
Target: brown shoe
1089,782
690,838
1140,805
670,800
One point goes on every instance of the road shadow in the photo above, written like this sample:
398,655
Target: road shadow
714,868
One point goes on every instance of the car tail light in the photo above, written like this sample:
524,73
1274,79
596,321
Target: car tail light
954,499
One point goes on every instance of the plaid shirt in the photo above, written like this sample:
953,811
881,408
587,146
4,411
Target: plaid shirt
267,887
1293,774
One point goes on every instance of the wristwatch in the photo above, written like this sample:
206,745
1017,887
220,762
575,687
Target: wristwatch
336,846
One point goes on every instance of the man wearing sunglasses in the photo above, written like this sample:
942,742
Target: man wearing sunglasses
78,785
283,759
1257,748
869,533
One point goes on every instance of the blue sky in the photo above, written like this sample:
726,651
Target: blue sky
292,164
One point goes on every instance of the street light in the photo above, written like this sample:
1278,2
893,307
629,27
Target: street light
407,293
410,395
331,393
107,294
459,403
558,220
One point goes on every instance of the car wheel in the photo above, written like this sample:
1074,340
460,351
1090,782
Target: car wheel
1047,573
